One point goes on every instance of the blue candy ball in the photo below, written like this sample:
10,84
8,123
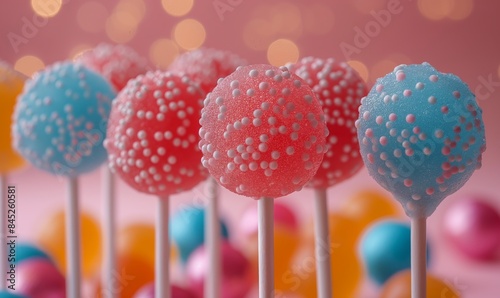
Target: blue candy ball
7,294
26,251
60,119
421,135
385,249
187,229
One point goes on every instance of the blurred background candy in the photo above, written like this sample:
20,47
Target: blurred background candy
473,227
148,291
8,294
236,273
399,286
385,249
40,278
52,237
26,251
187,230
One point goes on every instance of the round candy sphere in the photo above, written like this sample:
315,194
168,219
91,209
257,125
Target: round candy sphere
26,251
206,66
9,294
117,63
187,229
339,90
421,135
284,217
60,119
153,134
39,278
52,239
473,226
236,279
148,291
385,249
11,85
399,286
263,132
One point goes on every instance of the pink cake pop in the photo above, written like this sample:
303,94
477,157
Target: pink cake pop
206,66
152,145
117,63
262,135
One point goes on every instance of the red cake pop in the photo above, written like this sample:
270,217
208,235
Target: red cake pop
206,66
152,136
263,132
118,64
339,89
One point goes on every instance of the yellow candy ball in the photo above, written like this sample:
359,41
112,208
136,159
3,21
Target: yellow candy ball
399,286
52,237
138,240
368,206
11,85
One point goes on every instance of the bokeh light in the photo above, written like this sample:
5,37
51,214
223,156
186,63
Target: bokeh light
382,68
257,35
282,51
435,9
461,9
135,8
286,19
318,19
46,8
177,8
189,34
163,51
91,16
121,26
29,64
360,68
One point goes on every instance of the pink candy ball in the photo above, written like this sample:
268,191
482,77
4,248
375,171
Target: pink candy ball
236,277
263,132
152,138
473,226
39,278
148,291
283,217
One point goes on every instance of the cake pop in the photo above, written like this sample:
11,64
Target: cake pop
339,90
152,145
421,136
262,136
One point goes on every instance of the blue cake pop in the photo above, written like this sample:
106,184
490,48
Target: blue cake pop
421,135
60,119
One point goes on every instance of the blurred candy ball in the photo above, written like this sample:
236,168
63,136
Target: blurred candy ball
473,226
138,240
283,217
367,206
148,291
117,63
385,249
39,278
52,237
236,279
399,286
26,251
187,230
133,275
8,294
11,85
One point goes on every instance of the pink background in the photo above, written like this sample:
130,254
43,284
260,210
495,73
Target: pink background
468,48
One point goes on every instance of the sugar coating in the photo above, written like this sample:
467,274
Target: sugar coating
11,85
421,135
153,134
263,132
117,63
206,66
60,119
339,90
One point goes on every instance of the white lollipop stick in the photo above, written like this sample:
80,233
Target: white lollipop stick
418,257
266,247
3,230
73,240
212,236
323,263
162,243
108,180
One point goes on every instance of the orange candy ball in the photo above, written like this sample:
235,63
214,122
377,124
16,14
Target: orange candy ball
11,85
52,237
399,286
